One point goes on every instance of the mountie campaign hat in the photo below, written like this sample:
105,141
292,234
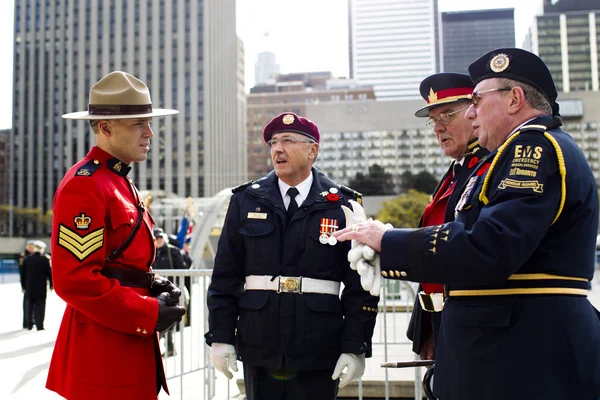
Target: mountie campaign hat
119,95
519,65
290,122
444,88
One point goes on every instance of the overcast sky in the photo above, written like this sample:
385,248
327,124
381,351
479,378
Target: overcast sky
305,35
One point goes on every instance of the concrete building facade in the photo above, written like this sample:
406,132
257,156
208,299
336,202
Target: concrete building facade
567,38
394,44
470,34
186,51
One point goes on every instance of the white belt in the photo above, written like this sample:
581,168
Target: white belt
291,284
432,302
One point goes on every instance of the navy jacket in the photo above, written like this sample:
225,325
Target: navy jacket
525,217
304,331
416,331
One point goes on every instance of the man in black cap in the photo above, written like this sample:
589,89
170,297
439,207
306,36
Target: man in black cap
518,259
274,298
448,97
35,277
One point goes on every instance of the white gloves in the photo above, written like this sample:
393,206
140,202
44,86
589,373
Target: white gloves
362,258
355,365
224,357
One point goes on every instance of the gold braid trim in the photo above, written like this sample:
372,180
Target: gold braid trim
561,168
486,182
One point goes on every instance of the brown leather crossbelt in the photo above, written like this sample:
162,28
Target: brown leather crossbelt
129,278
531,284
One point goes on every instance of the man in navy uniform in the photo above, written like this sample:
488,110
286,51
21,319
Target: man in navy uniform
36,276
518,259
447,96
288,324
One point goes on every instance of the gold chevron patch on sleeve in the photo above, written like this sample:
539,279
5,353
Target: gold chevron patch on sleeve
80,246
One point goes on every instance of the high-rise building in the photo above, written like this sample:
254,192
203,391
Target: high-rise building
266,68
186,51
567,38
470,34
3,172
394,45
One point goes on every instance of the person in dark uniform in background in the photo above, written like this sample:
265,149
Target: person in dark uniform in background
26,252
447,97
294,334
35,279
517,260
168,256
102,251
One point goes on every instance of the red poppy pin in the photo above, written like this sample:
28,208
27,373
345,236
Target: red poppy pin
483,169
332,197
473,162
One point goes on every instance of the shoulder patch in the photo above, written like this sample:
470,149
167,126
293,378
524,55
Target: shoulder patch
357,195
88,168
80,246
241,187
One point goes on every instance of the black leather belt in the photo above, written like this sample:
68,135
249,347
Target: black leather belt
129,278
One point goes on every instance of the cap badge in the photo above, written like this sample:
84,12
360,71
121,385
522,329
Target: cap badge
432,96
288,119
499,63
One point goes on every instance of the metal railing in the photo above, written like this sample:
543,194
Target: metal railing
189,372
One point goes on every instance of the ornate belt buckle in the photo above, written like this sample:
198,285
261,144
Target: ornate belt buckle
289,284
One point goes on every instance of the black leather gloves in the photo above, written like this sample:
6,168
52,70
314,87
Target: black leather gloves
162,285
169,313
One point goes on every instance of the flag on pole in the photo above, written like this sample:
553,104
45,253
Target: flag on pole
187,225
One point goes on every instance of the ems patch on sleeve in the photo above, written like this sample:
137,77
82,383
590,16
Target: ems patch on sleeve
80,246
525,172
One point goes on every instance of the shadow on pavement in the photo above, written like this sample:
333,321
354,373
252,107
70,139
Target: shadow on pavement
30,374
26,350
11,334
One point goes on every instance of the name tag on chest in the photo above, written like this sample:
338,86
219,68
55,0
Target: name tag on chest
257,215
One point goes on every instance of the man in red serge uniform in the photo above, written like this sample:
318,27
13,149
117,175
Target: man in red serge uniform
447,101
102,250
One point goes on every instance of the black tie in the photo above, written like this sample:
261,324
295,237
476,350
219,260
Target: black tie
456,171
293,207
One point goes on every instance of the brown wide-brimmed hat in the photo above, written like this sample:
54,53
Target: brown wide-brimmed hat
119,95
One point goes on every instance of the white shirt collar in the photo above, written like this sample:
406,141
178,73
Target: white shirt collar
519,127
303,189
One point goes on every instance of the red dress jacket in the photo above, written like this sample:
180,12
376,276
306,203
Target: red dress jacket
105,347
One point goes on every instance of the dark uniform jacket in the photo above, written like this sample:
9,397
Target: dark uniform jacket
309,331
417,332
525,220
168,257
35,276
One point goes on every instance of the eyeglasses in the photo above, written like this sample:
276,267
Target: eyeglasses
476,96
442,119
286,141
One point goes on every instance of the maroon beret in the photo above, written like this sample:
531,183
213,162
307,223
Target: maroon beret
290,122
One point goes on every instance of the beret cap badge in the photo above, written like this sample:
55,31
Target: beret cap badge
499,63
288,119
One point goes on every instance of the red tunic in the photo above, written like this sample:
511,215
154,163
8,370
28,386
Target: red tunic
105,347
434,214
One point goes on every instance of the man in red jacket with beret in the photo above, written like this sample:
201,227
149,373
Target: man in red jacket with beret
102,250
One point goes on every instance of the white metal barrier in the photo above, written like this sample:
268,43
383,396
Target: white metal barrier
189,372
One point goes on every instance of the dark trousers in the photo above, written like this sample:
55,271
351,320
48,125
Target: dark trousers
279,384
35,311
